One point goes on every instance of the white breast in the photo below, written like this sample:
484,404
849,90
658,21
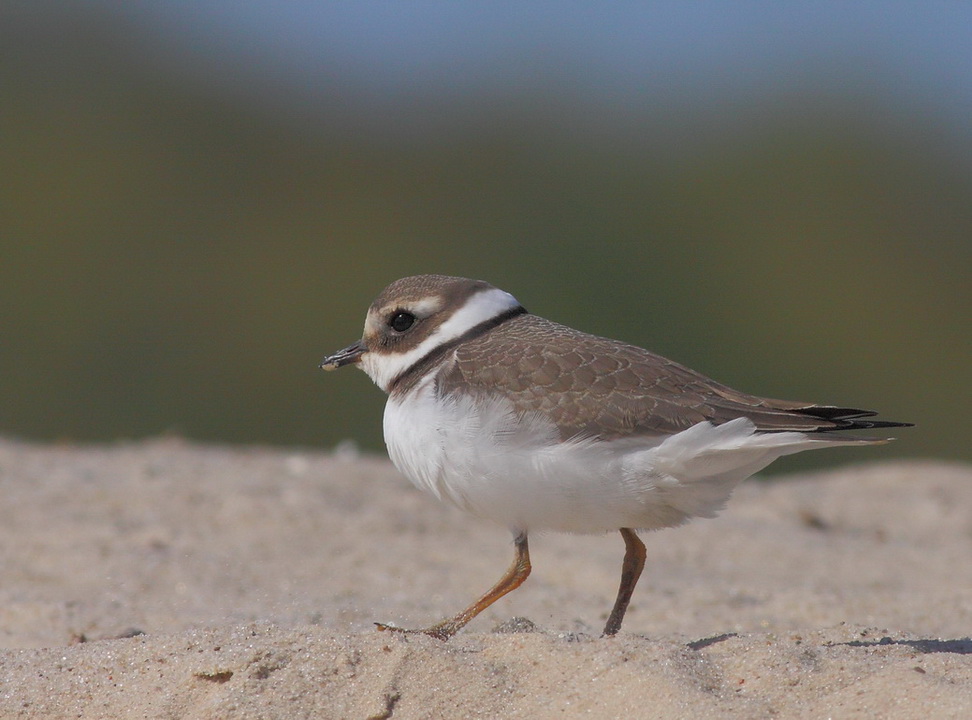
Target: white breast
479,455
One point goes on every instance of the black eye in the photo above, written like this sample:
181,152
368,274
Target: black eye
401,321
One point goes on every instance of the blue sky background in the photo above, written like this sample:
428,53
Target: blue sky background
918,52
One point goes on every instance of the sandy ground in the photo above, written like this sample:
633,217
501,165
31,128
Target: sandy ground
168,580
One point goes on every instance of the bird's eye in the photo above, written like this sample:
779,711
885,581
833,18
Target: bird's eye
401,321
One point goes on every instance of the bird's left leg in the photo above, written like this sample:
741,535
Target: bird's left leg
634,563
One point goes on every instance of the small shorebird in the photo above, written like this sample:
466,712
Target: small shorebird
542,427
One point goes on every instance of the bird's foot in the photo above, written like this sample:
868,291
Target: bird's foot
440,631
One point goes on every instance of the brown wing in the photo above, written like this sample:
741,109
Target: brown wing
592,386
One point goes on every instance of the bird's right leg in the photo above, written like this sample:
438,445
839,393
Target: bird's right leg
511,580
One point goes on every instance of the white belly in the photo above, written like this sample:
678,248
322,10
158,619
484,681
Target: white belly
514,470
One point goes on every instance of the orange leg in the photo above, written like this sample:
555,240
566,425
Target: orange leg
510,581
634,563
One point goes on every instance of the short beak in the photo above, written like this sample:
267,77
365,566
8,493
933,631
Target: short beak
349,355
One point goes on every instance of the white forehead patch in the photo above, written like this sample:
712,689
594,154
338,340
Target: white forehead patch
383,368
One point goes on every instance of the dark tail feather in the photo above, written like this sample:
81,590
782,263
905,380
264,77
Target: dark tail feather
847,418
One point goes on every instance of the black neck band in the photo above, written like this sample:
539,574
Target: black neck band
407,376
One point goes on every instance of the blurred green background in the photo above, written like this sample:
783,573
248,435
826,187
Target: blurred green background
186,229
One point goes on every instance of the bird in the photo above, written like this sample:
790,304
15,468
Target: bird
541,427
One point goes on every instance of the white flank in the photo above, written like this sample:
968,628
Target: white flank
482,457
483,306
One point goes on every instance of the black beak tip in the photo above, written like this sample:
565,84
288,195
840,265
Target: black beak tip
343,357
